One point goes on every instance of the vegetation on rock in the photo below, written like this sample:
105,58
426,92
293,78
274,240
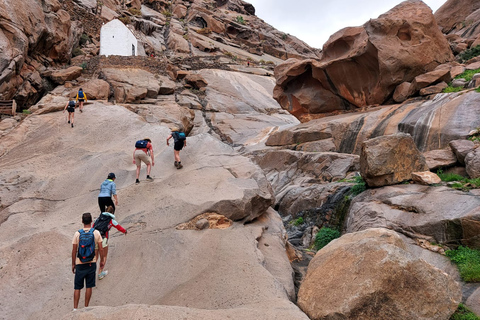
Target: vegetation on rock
468,262
467,75
460,182
325,236
463,313
469,54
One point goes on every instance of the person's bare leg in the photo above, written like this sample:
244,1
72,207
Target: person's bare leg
81,106
73,115
149,168
76,298
88,295
105,252
138,172
177,155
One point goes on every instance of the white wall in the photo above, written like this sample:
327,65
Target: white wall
117,39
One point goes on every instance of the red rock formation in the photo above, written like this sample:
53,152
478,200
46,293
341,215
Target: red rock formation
361,66
454,12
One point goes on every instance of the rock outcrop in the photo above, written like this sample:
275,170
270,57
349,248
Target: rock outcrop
390,160
361,66
379,277
439,214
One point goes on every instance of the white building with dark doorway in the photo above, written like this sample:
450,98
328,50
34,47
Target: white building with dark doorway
117,40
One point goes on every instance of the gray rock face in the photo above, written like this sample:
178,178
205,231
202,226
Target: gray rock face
472,163
440,214
432,124
379,280
242,270
461,148
389,160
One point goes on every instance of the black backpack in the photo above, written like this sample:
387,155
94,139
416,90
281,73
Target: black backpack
141,144
86,245
101,224
71,104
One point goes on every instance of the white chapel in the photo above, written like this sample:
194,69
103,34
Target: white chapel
117,39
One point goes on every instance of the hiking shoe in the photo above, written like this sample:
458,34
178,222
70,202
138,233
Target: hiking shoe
81,110
176,164
149,178
72,125
68,121
179,166
137,181
102,274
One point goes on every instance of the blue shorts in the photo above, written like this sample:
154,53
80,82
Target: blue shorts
85,274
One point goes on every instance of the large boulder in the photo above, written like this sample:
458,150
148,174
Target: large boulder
96,89
131,84
440,158
390,159
361,66
472,163
461,148
381,279
440,214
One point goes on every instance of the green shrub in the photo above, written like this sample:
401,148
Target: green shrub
84,39
469,54
463,313
324,236
478,89
125,20
77,52
240,20
450,89
167,13
135,12
26,111
298,221
449,177
468,262
468,74
83,65
284,36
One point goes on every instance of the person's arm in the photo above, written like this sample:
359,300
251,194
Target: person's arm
85,96
76,98
152,155
134,155
74,256
100,249
168,138
66,106
118,227
116,199
185,142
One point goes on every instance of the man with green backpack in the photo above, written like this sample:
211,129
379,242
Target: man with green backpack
86,245
179,142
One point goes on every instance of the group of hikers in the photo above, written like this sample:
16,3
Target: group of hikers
70,106
90,244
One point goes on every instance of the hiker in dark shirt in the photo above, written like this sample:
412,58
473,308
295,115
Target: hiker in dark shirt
180,141
70,107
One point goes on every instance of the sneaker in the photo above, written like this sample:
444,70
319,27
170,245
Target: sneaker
102,274
68,121
72,125
81,110
137,181
149,178
179,166
176,164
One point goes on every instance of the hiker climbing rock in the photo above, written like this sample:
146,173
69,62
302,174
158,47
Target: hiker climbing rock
107,190
86,245
180,141
143,152
70,107
81,97
103,224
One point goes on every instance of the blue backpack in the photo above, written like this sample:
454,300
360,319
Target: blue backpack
80,95
179,136
86,245
141,144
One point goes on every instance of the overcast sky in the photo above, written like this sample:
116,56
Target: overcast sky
313,21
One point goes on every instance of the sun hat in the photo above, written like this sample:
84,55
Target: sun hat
111,175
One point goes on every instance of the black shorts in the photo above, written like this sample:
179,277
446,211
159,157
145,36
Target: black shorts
85,273
178,145
80,100
70,109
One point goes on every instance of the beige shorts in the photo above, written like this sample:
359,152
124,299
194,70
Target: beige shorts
141,156
105,242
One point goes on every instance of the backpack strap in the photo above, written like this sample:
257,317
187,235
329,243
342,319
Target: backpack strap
81,231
